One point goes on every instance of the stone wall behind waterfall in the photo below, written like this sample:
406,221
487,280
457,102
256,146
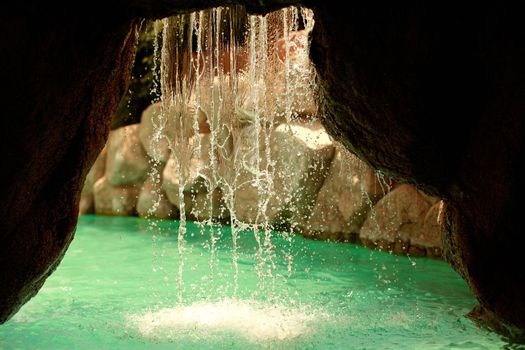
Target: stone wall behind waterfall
320,190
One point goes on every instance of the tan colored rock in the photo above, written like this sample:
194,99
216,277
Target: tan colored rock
87,201
153,133
201,210
430,234
239,174
198,114
374,184
96,172
198,181
344,200
87,204
398,220
246,204
300,154
195,182
127,163
111,200
153,202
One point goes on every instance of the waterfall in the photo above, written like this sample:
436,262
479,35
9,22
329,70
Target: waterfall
227,80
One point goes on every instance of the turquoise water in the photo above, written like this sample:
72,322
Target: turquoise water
118,287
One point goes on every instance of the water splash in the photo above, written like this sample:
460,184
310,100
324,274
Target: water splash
228,79
251,320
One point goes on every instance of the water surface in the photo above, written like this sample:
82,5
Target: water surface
118,287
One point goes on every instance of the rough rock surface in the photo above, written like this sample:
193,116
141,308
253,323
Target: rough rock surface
194,182
153,133
430,234
113,200
397,222
301,153
153,202
204,204
127,163
87,202
64,76
197,182
441,106
347,194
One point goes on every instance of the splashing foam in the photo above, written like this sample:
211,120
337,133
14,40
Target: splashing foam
253,320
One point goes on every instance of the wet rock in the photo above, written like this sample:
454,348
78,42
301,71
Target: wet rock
241,172
347,194
429,235
127,163
416,251
153,202
435,253
301,154
116,201
190,117
194,179
402,220
205,206
96,172
153,133
197,183
293,87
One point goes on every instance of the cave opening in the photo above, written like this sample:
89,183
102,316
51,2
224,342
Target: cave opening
230,151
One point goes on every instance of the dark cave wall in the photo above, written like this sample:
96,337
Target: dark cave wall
436,97
63,77
433,96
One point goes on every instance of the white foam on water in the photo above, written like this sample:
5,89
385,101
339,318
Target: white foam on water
253,320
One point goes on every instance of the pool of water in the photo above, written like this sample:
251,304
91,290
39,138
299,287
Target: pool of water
119,286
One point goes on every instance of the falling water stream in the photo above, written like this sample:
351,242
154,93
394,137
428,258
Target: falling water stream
231,84
240,76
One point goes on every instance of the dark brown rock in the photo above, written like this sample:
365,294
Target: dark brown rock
401,247
417,251
435,253
435,96
63,75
